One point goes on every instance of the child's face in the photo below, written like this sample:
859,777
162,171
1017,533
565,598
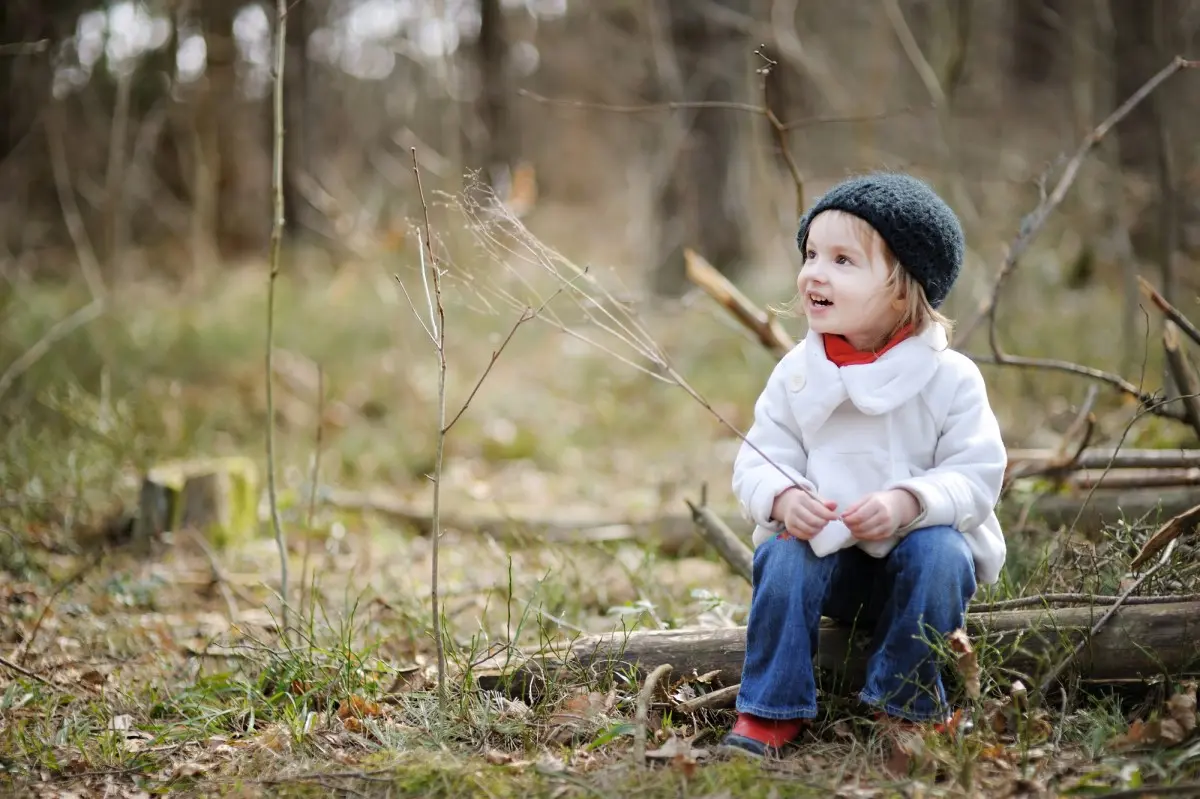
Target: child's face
843,283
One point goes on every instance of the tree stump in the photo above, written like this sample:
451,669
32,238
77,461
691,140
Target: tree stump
217,497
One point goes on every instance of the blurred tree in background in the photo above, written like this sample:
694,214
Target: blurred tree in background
157,113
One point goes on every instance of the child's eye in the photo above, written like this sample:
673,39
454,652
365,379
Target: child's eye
809,255
841,259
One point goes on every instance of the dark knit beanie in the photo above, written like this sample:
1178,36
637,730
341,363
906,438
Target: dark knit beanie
918,226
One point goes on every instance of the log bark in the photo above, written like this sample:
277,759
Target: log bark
1138,643
1045,461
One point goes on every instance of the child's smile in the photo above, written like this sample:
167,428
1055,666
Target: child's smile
844,281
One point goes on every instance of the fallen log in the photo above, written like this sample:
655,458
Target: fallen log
1135,478
1105,508
1142,642
1046,461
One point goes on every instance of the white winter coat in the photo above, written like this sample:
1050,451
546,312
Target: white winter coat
917,418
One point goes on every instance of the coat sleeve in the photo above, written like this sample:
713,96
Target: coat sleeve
772,457
963,487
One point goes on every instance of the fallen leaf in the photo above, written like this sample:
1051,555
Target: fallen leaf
357,707
497,758
1174,727
968,661
681,754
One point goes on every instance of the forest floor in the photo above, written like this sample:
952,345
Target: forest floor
133,672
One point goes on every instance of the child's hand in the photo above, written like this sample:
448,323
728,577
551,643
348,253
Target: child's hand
879,514
802,514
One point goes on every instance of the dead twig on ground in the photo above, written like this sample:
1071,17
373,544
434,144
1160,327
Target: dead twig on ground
277,226
713,700
643,709
24,672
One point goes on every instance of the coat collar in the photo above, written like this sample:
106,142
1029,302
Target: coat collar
820,386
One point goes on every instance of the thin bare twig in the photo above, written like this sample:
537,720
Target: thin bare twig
60,330
1032,224
277,225
716,105
1099,625
438,325
526,315
1149,401
781,133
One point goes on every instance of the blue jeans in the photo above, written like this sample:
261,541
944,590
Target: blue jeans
919,591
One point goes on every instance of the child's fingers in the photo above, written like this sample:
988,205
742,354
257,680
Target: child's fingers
824,509
805,520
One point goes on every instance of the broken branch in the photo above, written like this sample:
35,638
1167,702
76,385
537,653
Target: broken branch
1185,377
1141,642
1169,310
726,542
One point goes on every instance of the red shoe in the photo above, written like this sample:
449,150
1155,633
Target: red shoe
759,737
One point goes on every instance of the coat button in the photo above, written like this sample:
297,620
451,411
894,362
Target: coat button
798,381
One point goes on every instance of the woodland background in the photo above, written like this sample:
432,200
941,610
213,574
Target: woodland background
553,136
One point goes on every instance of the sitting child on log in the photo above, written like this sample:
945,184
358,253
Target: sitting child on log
872,469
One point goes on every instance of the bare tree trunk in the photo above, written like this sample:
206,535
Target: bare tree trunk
496,150
231,188
699,205
1037,39
24,74
296,98
1144,39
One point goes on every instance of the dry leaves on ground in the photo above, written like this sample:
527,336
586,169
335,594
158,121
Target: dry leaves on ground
1174,726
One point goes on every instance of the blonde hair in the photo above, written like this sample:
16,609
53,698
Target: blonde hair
900,283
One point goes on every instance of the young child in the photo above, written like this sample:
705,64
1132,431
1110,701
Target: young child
872,468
